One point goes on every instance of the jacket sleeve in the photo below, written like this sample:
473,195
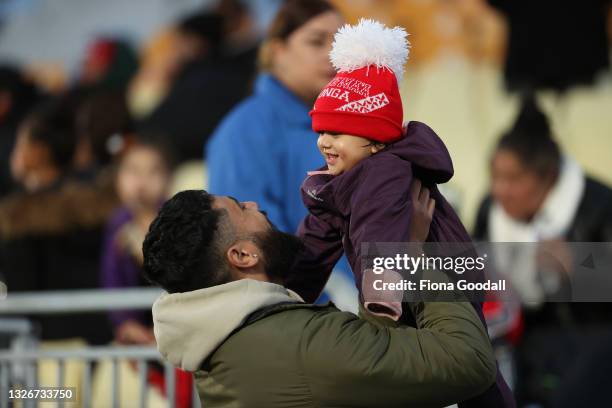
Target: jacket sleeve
244,161
313,266
352,362
381,210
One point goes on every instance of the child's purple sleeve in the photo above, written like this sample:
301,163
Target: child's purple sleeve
117,269
116,275
313,266
381,211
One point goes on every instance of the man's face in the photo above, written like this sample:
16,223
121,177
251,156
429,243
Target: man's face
244,216
278,249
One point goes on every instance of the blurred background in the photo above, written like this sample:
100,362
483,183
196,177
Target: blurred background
108,108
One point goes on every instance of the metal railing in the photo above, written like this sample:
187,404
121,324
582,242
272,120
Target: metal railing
18,363
78,301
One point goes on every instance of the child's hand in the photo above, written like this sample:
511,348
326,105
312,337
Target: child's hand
422,211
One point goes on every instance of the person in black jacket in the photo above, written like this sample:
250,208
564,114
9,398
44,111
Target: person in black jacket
530,174
51,231
540,195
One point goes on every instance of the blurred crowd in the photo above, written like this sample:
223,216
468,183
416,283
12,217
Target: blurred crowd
522,91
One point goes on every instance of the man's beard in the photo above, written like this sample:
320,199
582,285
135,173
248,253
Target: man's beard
279,252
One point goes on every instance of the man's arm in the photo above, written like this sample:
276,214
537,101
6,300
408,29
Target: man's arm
352,362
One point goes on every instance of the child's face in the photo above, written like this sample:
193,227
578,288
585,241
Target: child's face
342,152
142,179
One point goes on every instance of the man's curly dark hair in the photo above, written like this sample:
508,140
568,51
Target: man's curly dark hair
182,249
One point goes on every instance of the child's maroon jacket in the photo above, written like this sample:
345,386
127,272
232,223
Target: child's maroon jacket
372,203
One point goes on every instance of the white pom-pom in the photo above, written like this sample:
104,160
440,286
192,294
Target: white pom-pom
370,43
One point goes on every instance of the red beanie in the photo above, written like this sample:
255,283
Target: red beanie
363,99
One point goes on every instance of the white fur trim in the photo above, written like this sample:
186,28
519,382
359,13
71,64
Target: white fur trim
370,43
560,208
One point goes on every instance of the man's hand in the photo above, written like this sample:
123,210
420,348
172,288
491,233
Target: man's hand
422,211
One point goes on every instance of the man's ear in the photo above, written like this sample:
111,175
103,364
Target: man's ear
243,255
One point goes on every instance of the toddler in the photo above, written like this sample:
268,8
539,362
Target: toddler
363,194
366,192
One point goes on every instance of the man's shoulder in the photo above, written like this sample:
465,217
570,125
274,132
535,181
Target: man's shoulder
259,362
277,330
305,325
290,321
292,314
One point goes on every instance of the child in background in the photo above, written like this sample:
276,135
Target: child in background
143,177
363,195
142,183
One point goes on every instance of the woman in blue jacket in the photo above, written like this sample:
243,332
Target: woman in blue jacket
263,148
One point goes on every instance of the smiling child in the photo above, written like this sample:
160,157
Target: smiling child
365,193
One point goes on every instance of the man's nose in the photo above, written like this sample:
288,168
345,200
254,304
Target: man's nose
251,205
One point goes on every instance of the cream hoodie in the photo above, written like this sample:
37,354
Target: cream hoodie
189,326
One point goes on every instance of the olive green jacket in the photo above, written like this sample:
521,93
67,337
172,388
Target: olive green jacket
255,344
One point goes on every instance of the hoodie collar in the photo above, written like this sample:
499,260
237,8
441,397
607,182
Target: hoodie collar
190,326
287,102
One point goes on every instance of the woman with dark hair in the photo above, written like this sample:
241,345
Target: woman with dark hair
42,155
17,96
263,149
541,196
51,229
538,193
